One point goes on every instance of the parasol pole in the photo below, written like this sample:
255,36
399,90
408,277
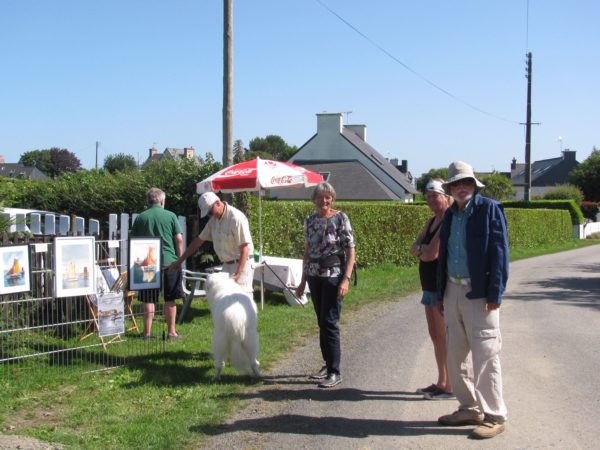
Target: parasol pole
260,252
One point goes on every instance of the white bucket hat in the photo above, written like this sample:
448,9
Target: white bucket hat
459,170
206,201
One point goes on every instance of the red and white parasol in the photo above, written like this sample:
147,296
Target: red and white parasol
258,175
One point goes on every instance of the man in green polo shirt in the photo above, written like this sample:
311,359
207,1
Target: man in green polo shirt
156,221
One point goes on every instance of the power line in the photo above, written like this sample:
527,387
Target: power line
411,70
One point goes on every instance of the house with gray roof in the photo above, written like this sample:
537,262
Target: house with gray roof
355,169
545,174
16,170
171,153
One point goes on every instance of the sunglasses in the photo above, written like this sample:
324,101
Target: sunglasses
464,181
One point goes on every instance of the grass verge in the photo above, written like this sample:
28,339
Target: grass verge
165,400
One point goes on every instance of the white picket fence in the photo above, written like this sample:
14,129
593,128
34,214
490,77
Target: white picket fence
43,223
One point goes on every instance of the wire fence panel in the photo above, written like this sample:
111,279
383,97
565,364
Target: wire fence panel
42,332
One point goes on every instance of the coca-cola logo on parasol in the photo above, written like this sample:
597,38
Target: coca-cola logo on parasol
237,172
287,179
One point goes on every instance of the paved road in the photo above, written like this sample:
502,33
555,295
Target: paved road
550,359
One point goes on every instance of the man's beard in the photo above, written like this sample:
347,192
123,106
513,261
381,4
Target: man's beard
464,199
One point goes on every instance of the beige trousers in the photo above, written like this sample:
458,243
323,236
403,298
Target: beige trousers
476,381
246,278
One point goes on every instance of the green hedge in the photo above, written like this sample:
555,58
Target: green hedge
529,228
570,205
385,230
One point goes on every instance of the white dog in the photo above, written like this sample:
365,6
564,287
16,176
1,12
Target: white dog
234,316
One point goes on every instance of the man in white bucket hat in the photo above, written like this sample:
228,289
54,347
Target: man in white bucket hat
229,231
472,275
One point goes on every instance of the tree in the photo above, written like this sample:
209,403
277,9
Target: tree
63,161
271,147
497,186
119,163
53,162
587,176
433,173
238,151
40,159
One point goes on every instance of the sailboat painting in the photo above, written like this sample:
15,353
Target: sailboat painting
14,266
74,266
144,263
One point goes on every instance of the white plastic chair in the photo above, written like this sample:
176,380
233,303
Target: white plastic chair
193,287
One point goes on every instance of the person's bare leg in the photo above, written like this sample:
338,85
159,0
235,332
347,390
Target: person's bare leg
437,332
148,316
170,316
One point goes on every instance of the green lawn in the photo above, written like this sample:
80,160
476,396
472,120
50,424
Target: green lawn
162,400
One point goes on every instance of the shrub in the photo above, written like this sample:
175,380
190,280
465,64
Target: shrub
385,231
589,210
564,192
569,205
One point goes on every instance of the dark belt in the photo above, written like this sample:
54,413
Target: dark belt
235,261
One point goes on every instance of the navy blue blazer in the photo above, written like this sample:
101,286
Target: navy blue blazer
487,250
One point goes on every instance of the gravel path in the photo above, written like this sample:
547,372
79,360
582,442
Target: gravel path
550,322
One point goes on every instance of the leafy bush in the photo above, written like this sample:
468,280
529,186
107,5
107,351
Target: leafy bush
385,231
587,176
529,228
564,192
589,210
497,186
95,194
573,208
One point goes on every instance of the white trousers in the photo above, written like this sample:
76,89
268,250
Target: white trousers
476,381
246,277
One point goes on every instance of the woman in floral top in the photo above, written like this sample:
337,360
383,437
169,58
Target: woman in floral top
327,267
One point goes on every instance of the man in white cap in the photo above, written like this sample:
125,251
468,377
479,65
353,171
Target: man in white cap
472,275
229,232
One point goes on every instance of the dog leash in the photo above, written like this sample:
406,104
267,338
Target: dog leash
285,286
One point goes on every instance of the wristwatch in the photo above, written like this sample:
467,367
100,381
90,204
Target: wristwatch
348,278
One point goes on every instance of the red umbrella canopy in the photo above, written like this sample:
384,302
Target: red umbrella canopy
259,174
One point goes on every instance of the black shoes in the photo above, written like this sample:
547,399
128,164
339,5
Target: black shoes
320,375
333,379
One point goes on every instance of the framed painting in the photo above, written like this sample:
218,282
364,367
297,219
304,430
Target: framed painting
74,265
14,265
111,316
144,264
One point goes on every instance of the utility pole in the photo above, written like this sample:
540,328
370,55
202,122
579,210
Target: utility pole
527,193
97,144
227,82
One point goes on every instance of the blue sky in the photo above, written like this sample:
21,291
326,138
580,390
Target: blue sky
132,74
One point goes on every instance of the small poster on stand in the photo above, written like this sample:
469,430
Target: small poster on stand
111,314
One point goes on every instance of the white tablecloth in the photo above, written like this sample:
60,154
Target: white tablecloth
279,272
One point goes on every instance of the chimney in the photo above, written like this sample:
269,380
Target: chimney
360,130
404,167
329,123
2,159
152,152
188,152
513,164
569,155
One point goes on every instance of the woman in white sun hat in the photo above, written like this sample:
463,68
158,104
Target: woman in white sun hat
426,248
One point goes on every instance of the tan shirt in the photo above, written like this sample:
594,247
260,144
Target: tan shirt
228,233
